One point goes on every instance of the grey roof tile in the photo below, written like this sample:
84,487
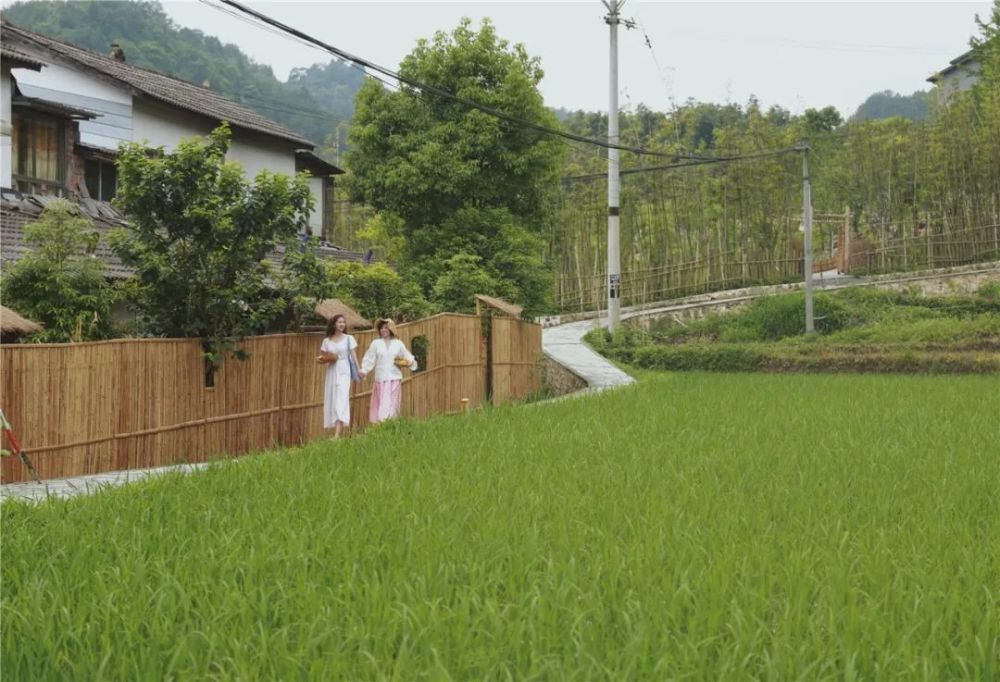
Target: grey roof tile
158,86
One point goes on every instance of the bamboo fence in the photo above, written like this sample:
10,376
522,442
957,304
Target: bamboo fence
515,351
136,403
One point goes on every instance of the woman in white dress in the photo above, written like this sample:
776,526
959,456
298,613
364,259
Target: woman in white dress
382,356
337,351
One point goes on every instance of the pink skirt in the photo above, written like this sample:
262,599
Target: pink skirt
386,398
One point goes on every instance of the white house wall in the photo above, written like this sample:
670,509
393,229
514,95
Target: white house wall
958,80
316,219
257,153
162,126
6,118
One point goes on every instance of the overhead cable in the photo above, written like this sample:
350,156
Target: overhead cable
440,92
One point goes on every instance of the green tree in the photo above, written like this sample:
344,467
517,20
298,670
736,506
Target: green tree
375,291
822,120
458,179
199,237
57,283
455,290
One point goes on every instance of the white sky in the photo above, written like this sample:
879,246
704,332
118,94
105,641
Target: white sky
794,54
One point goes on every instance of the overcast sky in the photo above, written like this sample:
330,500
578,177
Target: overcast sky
794,54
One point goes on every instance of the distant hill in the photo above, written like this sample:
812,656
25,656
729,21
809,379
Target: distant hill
887,104
313,101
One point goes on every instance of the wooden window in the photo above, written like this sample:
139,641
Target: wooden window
101,178
38,154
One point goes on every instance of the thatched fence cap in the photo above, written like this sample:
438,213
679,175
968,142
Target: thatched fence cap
329,307
12,323
503,306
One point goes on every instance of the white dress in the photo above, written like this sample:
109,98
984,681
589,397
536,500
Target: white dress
337,389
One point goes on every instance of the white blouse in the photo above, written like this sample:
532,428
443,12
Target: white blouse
341,369
381,357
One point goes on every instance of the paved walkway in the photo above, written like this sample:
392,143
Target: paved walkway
565,345
82,485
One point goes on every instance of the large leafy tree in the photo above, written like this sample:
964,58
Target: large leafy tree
200,236
57,283
451,179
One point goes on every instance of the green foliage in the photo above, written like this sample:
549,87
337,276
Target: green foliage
921,191
199,236
300,281
312,102
462,279
822,120
449,179
691,527
990,291
888,104
56,283
420,346
770,318
375,291
385,233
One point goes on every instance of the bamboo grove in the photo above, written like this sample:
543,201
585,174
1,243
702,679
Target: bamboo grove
888,195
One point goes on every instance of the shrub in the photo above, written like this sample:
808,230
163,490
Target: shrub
56,284
776,317
990,291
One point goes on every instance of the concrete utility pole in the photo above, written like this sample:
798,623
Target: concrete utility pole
614,179
807,226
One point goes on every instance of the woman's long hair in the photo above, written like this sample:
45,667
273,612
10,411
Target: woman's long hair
331,325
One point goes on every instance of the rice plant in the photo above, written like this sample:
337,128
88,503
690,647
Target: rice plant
694,526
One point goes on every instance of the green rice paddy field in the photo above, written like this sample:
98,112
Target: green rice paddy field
694,526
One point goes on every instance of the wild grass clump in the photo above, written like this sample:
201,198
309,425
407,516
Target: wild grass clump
694,526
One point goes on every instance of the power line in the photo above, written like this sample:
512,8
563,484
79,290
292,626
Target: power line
430,89
696,161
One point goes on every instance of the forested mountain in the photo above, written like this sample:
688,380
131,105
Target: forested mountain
887,104
313,101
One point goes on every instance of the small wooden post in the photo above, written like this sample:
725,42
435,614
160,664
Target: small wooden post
846,245
465,404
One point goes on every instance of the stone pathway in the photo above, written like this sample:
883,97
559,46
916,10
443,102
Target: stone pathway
565,345
83,485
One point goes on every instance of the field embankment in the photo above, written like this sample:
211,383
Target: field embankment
858,330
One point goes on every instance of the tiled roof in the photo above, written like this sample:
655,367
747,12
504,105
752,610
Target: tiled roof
16,213
158,86
52,107
19,59
18,210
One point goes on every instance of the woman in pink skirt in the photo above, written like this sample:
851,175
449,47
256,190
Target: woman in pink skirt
382,356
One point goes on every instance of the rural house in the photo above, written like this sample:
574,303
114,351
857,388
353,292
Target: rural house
66,109
960,75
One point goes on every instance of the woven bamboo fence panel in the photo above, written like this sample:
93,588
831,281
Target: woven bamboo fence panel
136,403
517,351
